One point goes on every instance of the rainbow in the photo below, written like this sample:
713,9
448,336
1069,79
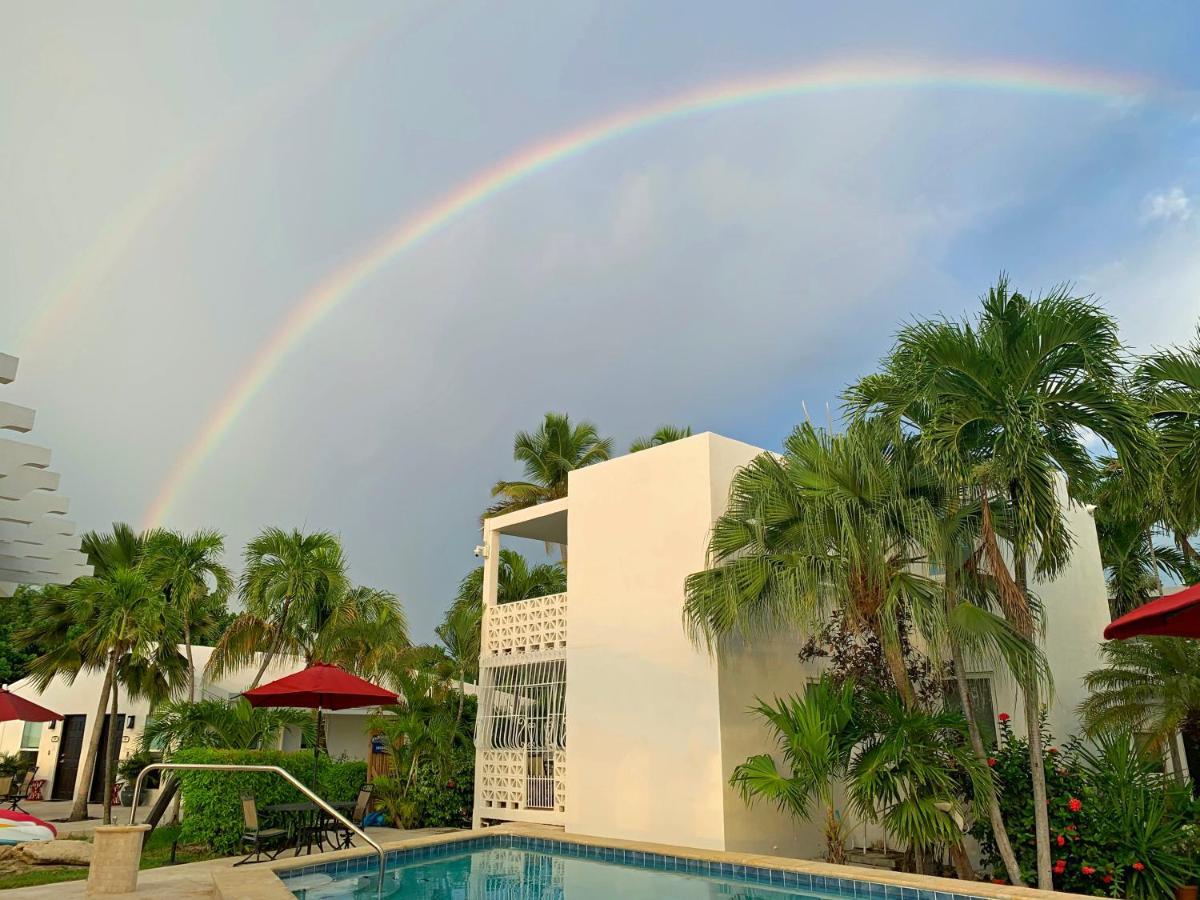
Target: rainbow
328,294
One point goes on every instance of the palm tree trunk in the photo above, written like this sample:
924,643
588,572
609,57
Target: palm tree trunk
1176,762
110,752
79,809
894,656
999,831
187,642
169,789
961,862
1037,764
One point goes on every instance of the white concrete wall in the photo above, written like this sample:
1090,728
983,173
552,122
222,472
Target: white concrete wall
643,717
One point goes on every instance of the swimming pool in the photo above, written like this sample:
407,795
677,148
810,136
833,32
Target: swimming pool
507,867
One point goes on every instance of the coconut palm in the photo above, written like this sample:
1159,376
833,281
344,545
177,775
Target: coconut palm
664,435
1001,404
1169,382
814,738
548,456
193,579
221,724
461,635
1149,685
831,523
287,586
516,580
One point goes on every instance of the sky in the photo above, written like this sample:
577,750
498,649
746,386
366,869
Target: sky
179,178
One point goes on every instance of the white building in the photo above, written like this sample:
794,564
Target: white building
37,542
57,748
598,714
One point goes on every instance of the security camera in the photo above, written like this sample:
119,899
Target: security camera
481,551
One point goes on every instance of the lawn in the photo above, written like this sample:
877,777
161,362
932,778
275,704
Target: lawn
156,852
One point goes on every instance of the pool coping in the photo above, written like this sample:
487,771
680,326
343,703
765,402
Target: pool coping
751,868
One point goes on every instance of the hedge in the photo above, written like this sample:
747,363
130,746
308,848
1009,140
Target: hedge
212,800
446,800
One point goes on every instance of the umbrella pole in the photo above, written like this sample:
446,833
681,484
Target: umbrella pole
317,749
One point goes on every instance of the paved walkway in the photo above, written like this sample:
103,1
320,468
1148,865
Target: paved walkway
50,810
190,881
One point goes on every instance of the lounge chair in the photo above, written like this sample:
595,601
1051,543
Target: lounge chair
18,791
260,840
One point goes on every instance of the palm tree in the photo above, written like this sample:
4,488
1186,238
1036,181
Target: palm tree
192,578
814,737
1150,686
220,724
664,435
127,623
1000,405
362,629
1169,382
516,580
548,456
287,586
832,523
461,634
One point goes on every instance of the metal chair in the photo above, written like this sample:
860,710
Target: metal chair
256,837
19,791
342,837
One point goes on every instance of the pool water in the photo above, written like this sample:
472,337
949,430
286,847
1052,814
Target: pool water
501,873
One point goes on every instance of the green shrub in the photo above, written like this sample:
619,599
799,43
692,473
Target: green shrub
445,800
212,800
1119,827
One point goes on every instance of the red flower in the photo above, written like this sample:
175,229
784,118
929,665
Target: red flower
1003,717
1074,804
1060,866
998,881
992,761
1062,841
1137,867
1087,870
1107,879
1070,828
1051,749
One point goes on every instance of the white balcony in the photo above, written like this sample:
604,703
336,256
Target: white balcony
535,625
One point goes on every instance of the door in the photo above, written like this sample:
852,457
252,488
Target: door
96,794
70,748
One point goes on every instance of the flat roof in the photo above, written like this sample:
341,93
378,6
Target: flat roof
543,522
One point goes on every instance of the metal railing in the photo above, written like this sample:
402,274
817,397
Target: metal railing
282,773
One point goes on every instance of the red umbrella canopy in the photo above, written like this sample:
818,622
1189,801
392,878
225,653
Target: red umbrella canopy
1176,615
321,685
18,709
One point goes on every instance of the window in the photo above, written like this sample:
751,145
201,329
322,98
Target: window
31,736
979,687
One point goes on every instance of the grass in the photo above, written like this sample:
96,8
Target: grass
156,852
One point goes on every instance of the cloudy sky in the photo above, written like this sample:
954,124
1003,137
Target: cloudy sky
178,177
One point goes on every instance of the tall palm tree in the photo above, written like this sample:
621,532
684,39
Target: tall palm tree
831,523
127,623
1169,382
461,635
1150,686
220,724
193,579
516,580
664,435
1000,404
548,456
288,583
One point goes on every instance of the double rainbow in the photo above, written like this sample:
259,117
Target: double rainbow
325,297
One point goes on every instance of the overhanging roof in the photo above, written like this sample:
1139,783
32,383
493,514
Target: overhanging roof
544,522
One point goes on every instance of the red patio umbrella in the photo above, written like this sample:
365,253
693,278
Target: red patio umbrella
1176,615
14,708
321,686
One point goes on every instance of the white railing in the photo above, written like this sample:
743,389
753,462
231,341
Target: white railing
526,626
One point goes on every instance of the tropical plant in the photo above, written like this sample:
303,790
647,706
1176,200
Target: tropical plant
189,571
461,635
548,456
664,435
832,523
516,580
1169,383
1149,685
1000,405
221,725
814,738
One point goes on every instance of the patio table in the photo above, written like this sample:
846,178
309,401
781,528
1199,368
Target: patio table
304,816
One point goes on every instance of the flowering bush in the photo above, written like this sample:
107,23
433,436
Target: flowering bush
1118,826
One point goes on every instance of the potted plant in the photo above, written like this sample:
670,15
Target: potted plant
129,769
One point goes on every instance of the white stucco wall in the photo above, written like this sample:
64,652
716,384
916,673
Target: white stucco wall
643,717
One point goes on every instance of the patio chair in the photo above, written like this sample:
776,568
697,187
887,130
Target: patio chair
343,837
260,840
18,791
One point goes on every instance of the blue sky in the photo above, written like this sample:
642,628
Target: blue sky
723,271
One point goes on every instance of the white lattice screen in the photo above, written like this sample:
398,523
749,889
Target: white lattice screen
526,626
